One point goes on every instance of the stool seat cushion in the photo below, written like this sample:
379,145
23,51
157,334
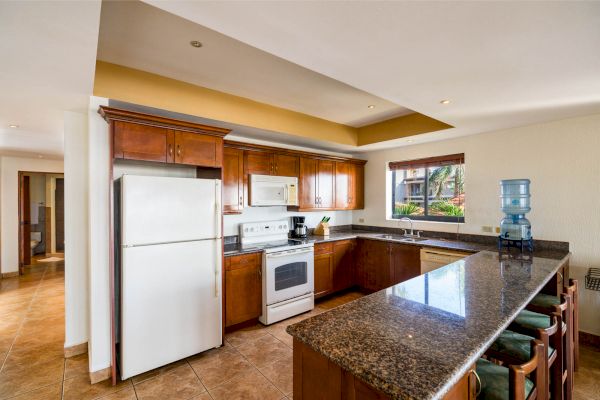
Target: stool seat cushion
545,300
494,381
532,320
515,345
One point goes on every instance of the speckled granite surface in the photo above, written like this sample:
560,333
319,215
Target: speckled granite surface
416,339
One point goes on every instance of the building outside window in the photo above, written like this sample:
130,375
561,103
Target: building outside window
429,189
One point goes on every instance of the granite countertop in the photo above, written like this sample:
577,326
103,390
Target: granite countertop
415,340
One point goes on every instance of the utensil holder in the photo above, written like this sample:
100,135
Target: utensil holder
322,229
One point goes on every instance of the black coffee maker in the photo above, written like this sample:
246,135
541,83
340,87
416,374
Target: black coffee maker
299,229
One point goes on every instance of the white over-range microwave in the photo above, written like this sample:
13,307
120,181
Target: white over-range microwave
268,190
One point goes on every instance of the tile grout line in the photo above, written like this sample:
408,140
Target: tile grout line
33,298
199,379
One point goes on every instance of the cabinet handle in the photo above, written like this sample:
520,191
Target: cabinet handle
171,150
178,151
259,270
241,201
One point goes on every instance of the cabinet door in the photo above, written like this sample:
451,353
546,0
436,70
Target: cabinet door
258,162
376,265
286,165
342,185
142,142
323,270
233,180
325,184
197,149
356,196
343,264
243,288
307,183
406,262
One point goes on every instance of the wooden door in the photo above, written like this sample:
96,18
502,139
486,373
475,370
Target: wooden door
24,222
258,162
342,185
406,262
323,277
286,165
243,288
307,182
343,264
233,180
142,142
59,204
199,150
326,184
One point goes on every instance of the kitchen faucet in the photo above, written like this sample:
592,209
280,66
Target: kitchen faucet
412,232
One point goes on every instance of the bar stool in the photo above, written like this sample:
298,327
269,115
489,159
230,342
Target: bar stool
539,325
497,382
545,304
514,348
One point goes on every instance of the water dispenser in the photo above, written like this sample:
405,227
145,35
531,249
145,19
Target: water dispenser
515,229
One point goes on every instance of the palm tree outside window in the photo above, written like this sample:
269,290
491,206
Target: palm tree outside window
429,189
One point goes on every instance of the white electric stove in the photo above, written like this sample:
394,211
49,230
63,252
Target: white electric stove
287,269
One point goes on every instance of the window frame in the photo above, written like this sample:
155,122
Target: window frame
393,167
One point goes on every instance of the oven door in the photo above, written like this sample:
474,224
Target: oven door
288,274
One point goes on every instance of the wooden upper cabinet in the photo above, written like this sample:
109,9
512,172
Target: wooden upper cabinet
342,185
258,162
145,137
357,186
326,184
200,150
307,183
142,142
233,180
286,165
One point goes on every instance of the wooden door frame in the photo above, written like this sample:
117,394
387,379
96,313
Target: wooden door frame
20,174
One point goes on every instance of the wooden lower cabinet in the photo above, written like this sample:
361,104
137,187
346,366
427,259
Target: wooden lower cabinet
323,269
343,264
317,378
381,264
243,288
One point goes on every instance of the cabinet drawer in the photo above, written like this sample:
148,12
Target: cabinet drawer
323,248
243,260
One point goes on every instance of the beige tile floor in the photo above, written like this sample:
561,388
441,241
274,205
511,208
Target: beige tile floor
255,363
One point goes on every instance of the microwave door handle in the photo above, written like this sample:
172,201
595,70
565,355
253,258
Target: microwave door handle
286,193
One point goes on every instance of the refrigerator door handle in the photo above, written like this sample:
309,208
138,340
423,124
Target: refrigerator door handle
218,208
217,267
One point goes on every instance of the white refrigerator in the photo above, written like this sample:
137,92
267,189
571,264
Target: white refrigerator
170,289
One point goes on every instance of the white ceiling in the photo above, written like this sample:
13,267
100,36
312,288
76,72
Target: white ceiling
48,60
502,64
140,36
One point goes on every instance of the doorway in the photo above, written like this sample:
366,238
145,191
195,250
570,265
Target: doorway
41,218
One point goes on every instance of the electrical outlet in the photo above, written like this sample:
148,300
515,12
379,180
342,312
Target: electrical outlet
361,220
497,229
486,228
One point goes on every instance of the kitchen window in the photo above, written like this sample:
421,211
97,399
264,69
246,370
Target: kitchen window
430,189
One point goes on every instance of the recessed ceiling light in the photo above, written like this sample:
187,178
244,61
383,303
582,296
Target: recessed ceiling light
446,101
13,126
196,43
370,106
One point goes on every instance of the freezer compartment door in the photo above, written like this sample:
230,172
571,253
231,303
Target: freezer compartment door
171,303
165,209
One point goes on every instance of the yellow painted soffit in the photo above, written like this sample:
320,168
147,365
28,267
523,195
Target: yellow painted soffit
139,87
134,86
396,128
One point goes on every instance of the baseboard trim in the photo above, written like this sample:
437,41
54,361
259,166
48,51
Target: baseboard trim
101,375
589,339
9,274
72,351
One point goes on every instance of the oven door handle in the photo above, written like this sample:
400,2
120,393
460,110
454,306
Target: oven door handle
289,253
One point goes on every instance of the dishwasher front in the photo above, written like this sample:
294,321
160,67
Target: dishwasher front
432,259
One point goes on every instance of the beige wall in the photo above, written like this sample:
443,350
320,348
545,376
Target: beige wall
562,160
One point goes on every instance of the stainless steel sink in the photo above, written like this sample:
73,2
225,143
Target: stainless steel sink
401,238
